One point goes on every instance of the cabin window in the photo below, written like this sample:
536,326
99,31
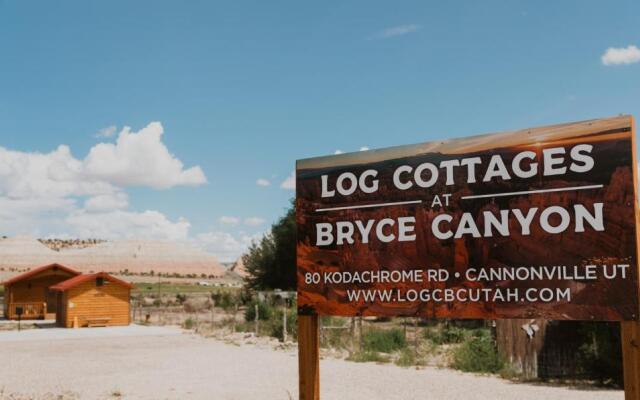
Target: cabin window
100,281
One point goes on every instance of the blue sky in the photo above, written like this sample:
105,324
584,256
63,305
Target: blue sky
242,89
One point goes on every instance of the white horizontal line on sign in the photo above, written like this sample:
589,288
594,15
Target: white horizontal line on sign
480,196
396,203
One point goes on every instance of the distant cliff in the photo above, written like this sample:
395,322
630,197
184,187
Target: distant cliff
135,256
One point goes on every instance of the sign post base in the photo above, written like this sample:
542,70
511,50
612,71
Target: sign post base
630,338
308,357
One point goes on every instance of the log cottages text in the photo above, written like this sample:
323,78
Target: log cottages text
524,165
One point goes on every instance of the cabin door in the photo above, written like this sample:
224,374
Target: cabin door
51,299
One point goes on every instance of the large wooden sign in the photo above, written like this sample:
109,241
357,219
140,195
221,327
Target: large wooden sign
533,223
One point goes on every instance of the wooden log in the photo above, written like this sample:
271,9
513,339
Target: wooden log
308,357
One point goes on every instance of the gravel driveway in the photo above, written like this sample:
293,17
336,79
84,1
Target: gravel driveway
163,363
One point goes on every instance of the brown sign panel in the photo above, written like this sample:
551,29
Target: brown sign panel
533,223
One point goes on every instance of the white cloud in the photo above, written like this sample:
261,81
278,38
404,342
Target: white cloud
229,220
106,202
107,132
140,159
137,159
52,175
364,148
338,152
254,221
57,193
263,182
396,31
290,182
226,246
120,224
621,55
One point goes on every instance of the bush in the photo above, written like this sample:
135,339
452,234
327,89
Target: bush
224,300
600,353
384,341
265,311
368,356
181,298
275,325
478,354
446,334
188,323
407,358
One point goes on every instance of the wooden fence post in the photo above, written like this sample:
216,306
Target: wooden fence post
213,313
257,318
630,338
415,336
308,357
360,334
353,336
284,322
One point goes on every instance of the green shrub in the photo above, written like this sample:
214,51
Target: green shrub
265,311
225,300
188,323
275,325
407,358
600,353
181,298
478,354
368,356
384,341
446,334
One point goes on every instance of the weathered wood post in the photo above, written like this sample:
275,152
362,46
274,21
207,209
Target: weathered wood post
308,357
284,321
213,312
257,318
360,334
353,334
415,336
630,330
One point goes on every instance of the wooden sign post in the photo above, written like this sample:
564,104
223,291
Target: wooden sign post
308,357
630,330
630,338
534,223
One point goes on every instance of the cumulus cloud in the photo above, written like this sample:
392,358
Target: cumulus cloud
57,193
140,159
338,152
621,55
254,221
107,132
364,148
399,30
129,225
229,220
226,246
290,182
106,202
263,182
46,175
136,159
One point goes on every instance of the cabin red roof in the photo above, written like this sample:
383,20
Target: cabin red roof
76,280
35,271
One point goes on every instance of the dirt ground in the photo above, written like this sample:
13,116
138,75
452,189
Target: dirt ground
139,362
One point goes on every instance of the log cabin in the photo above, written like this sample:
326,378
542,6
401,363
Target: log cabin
29,293
91,300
